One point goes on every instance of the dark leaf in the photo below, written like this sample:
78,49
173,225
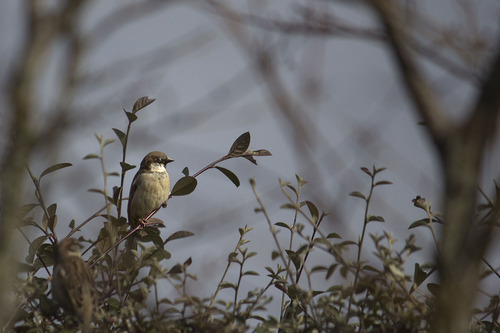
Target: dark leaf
131,117
283,225
184,186
72,224
250,158
178,235
313,210
54,168
419,223
419,275
177,269
225,285
229,174
185,171
375,219
240,145
251,273
141,103
34,247
126,166
334,235
383,182
121,136
433,288
294,257
366,170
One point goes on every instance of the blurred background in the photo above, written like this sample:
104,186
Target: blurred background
312,81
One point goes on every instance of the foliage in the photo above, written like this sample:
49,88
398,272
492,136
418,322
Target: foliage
376,296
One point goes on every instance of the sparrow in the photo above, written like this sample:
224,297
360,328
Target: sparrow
73,286
150,187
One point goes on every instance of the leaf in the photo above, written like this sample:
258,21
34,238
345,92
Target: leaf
251,273
178,235
72,224
419,223
419,275
334,235
375,219
367,171
357,194
126,167
121,136
294,257
34,247
225,285
131,117
184,186
229,174
54,168
433,288
283,225
91,156
177,269
313,210
260,152
185,171
240,145
383,182
288,206
141,103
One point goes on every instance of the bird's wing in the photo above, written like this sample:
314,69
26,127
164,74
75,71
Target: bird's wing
133,187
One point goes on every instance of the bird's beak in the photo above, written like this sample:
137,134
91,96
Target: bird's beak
167,160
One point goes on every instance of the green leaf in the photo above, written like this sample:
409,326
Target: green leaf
141,103
375,218
313,210
72,224
184,186
357,194
54,168
283,225
383,182
34,247
294,257
419,275
288,206
251,273
121,136
178,235
229,174
185,171
334,235
225,285
91,156
419,223
433,288
131,117
240,145
274,254
177,269
126,167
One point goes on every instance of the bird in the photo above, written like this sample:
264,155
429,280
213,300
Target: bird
150,188
73,286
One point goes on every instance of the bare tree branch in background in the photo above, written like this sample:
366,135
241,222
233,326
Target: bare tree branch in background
461,148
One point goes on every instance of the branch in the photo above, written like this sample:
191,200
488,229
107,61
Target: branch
426,102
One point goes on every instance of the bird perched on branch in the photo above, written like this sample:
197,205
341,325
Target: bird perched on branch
150,188
73,286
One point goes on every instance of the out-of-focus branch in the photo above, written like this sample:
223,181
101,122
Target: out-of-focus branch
426,102
43,29
461,148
